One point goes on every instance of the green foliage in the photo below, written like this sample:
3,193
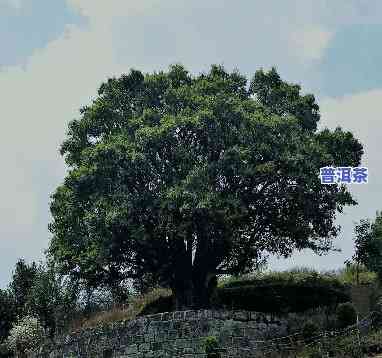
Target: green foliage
211,345
7,313
278,292
376,315
346,347
5,352
356,274
373,260
44,298
165,167
372,343
21,283
368,245
281,98
281,292
310,330
346,314
27,334
310,352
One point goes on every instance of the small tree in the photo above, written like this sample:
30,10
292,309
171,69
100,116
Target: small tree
44,298
362,239
374,247
21,283
27,334
7,314
368,246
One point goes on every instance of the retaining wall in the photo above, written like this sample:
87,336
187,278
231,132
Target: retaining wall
173,334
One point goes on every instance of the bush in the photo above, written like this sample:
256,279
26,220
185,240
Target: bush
7,313
4,351
310,330
376,315
346,314
372,344
310,352
211,347
346,347
282,292
275,292
27,334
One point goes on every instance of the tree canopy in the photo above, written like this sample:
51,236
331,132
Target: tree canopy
368,244
176,178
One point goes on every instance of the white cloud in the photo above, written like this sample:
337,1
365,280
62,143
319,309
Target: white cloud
308,44
37,103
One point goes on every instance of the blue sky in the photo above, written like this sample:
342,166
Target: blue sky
56,53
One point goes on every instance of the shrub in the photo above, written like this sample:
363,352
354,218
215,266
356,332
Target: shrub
5,352
376,315
211,347
310,330
346,314
372,343
25,335
275,292
310,352
7,313
346,347
278,292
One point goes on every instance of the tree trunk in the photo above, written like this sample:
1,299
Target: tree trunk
200,290
195,293
183,296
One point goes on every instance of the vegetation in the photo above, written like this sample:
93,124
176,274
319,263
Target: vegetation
276,292
137,305
346,314
7,313
175,179
27,334
310,330
368,245
282,292
179,188
347,346
211,347
356,274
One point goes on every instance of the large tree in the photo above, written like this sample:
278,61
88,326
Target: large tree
178,178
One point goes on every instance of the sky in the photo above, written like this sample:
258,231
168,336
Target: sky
55,54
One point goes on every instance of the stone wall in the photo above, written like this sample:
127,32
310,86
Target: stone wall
174,334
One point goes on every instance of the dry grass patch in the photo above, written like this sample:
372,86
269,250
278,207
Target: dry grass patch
121,313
